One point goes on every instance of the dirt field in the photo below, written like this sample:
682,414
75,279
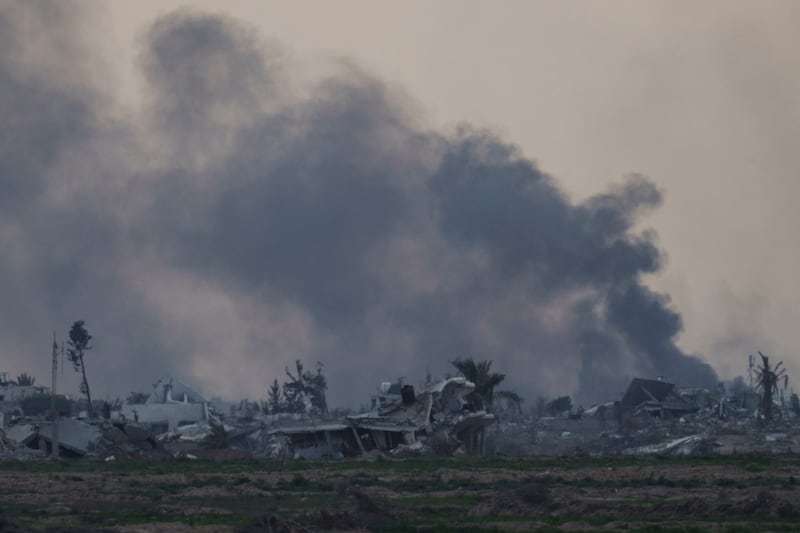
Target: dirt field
738,493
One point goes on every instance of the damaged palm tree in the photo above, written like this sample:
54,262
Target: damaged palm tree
767,383
78,346
25,380
485,381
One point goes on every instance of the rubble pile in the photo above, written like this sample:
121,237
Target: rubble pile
125,440
653,417
11,451
656,418
79,438
691,445
438,419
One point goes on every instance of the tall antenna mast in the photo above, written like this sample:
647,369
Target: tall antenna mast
55,371
53,411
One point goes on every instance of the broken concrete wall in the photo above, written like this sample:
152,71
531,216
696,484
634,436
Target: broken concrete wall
168,415
21,433
172,404
73,435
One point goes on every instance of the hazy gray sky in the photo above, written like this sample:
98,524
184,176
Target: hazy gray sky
702,98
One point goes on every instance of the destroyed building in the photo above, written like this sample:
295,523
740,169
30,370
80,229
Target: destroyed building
11,391
171,404
437,419
11,394
654,398
651,417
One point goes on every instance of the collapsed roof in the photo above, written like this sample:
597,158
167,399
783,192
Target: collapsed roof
656,397
409,419
171,390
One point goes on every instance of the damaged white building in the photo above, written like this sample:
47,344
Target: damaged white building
172,404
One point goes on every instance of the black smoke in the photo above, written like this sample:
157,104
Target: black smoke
231,226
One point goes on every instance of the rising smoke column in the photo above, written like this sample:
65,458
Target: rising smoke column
229,227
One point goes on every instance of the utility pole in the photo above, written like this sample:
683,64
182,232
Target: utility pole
53,412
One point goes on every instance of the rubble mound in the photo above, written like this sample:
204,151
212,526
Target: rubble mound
11,451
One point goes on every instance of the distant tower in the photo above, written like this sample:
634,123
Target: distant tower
53,412
55,371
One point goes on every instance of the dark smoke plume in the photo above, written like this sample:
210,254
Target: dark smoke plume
229,227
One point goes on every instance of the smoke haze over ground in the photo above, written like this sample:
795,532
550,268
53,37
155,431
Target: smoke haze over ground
237,222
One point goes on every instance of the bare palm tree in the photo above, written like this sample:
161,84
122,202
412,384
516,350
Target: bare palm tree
767,382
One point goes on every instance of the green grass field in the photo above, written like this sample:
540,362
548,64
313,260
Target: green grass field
724,493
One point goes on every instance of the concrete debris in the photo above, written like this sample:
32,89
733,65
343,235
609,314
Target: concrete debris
74,436
416,449
653,417
116,436
77,439
12,451
22,433
437,419
137,433
189,433
691,445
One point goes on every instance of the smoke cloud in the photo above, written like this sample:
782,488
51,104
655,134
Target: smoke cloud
231,226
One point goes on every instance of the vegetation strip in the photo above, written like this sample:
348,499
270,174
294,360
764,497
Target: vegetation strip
588,493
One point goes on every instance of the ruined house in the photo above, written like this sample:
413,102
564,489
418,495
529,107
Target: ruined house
654,398
437,419
11,394
171,404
